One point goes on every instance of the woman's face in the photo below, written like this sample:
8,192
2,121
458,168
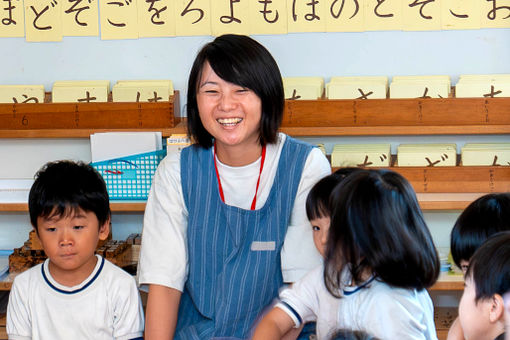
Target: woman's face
229,112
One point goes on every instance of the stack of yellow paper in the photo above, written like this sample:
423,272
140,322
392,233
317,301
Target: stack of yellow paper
309,88
420,87
483,85
473,154
21,94
365,155
357,88
83,91
142,90
427,155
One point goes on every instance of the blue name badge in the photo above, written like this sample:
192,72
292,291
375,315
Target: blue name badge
263,246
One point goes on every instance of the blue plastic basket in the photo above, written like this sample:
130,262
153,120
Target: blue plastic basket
130,178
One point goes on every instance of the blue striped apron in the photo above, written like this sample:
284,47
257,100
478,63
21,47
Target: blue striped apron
234,254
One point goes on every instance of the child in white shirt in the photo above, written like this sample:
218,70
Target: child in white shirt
74,294
379,258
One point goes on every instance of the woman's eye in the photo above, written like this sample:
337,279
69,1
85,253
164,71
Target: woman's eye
316,228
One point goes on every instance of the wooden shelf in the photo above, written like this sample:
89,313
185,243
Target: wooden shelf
115,206
60,120
322,117
398,116
445,282
448,282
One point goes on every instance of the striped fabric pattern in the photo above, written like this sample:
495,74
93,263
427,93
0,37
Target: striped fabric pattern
230,282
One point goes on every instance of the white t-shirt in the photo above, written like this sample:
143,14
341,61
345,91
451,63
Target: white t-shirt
378,309
106,305
163,256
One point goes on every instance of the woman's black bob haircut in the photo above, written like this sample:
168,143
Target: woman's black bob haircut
63,187
317,201
377,227
490,267
485,216
240,60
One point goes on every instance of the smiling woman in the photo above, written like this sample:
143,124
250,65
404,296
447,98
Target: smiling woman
225,223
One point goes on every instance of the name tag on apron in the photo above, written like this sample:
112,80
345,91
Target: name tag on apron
263,246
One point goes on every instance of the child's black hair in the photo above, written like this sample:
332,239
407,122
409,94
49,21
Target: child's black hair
485,216
240,60
317,201
490,267
62,187
377,228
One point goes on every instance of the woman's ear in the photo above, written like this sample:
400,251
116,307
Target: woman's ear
497,310
104,230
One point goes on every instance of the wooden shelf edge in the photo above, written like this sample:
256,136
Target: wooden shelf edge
83,133
329,131
115,206
312,131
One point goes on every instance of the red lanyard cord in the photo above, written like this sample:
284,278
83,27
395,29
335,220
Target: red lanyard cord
254,202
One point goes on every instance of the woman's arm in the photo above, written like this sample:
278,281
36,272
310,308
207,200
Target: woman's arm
274,325
161,312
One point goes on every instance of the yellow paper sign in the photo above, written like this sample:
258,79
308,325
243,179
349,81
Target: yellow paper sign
80,18
42,20
460,14
192,17
230,16
345,16
268,17
421,15
156,18
495,14
383,15
119,19
12,19
306,16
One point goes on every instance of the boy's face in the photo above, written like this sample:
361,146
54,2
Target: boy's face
474,316
464,265
320,227
70,241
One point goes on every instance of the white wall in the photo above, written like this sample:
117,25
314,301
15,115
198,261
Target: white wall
309,54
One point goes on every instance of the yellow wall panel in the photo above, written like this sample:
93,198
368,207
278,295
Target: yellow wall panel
43,20
268,16
156,18
119,19
230,16
80,18
13,19
495,14
460,14
421,15
192,17
345,16
383,15
306,15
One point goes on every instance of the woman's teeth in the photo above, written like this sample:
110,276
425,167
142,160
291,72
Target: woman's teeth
229,121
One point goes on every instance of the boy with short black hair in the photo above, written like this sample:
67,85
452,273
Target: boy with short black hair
481,308
74,294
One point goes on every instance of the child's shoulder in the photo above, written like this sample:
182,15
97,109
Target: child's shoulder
115,276
382,294
28,276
